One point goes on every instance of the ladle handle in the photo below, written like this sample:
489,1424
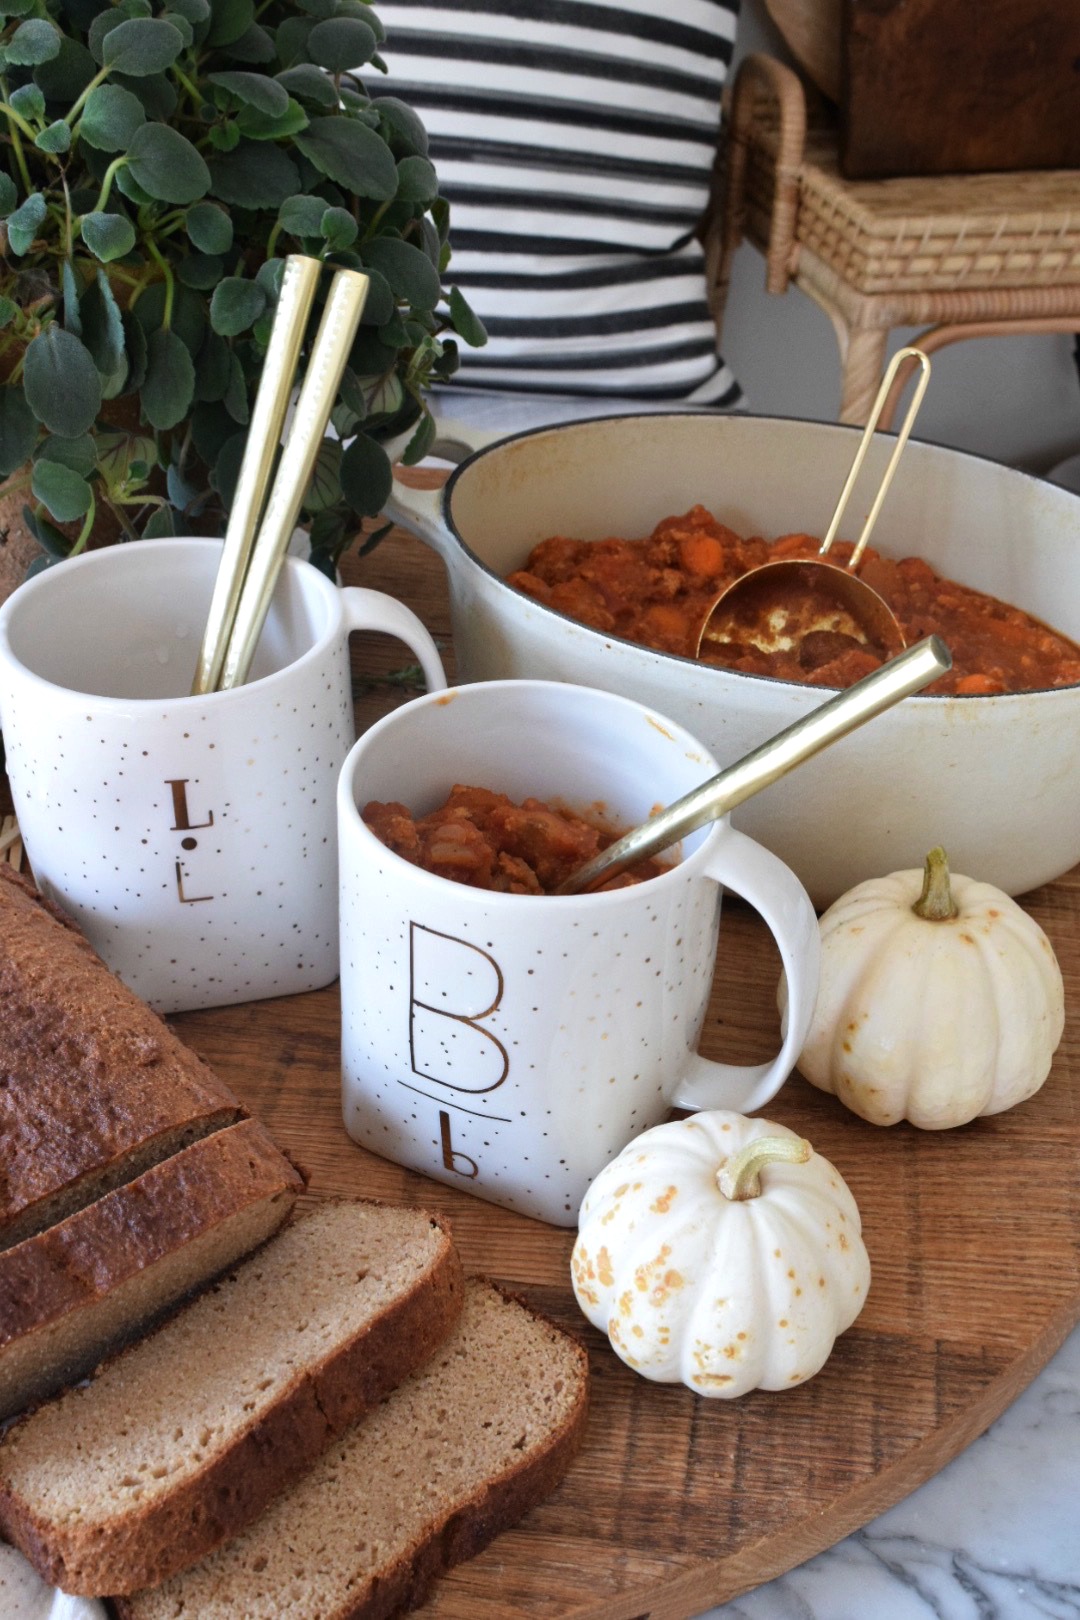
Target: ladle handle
864,444
899,678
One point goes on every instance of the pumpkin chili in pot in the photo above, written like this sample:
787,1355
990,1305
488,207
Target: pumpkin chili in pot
658,591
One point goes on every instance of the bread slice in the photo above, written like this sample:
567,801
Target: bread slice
461,1451
82,1288
94,1087
184,1438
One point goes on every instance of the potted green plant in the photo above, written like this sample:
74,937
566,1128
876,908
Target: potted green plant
158,165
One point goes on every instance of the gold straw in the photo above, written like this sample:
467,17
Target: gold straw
297,295
318,392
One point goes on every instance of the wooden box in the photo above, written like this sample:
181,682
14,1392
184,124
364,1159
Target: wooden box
948,86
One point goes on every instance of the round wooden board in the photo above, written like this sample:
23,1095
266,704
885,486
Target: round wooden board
677,1502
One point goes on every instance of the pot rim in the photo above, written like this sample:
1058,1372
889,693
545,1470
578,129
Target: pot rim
939,698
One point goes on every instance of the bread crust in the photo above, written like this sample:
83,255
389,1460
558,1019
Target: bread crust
96,1087
466,1527
82,1288
470,1528
230,1490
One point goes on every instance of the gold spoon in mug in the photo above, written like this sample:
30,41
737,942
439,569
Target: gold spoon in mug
909,672
759,606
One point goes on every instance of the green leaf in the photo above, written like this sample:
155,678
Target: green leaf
223,137
103,325
366,476
230,20
110,118
254,90
236,394
182,26
256,175
466,323
236,305
212,368
79,454
55,139
209,228
72,293
66,494
290,40
131,189
197,12
410,272
32,42
61,382
165,164
257,126
353,155
200,270
302,215
417,180
227,467
420,443
324,486
254,45
16,8
135,349
309,83
339,228
156,91
160,525
9,195
18,430
65,77
403,127
141,46
118,453
379,305
28,102
8,312
270,275
23,224
340,44
108,236
169,387
188,314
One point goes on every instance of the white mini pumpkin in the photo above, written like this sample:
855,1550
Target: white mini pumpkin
721,1252
939,1000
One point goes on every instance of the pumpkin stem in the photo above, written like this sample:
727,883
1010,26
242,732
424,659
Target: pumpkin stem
739,1177
936,903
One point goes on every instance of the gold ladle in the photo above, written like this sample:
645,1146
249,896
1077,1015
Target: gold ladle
909,672
760,606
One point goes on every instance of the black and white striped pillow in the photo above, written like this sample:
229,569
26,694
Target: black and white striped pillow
574,140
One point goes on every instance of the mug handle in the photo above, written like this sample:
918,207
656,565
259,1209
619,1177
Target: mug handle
775,892
374,610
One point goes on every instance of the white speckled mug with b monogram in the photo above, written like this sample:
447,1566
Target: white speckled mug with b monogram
193,838
511,1044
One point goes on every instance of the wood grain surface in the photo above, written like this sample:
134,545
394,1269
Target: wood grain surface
678,1502
941,86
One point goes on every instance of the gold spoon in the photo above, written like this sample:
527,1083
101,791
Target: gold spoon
760,607
909,672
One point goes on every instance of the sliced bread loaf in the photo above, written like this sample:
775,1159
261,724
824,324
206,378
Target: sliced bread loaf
183,1439
461,1451
94,1088
82,1288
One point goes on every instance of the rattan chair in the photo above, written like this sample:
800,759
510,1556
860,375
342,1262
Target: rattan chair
957,256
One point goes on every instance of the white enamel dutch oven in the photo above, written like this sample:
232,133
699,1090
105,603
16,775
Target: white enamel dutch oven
996,780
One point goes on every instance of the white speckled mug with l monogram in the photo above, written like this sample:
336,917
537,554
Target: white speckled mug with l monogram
192,838
512,1044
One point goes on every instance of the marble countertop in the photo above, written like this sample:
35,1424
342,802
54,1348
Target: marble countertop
994,1536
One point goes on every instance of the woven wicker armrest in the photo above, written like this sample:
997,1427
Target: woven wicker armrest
762,78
